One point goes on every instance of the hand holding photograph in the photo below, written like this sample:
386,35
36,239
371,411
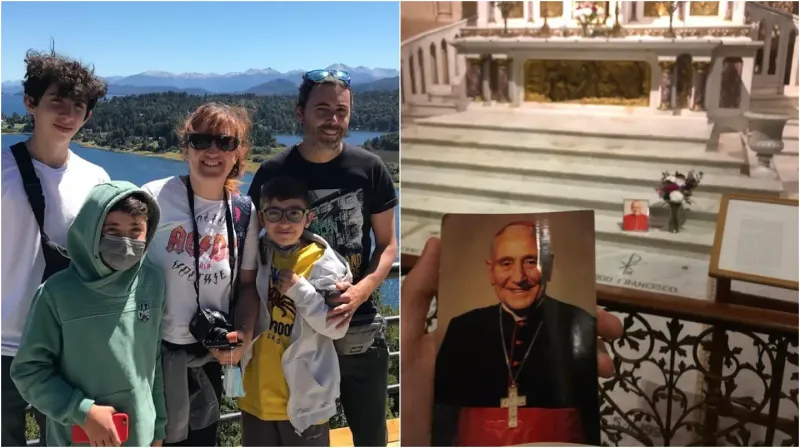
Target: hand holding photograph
517,331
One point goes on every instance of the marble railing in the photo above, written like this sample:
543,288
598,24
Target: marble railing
430,66
776,64
694,372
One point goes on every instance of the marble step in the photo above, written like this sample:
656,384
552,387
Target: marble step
648,269
421,214
591,150
531,191
480,161
653,130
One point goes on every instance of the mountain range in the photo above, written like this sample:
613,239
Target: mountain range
258,81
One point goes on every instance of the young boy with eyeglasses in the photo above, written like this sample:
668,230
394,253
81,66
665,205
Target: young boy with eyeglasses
291,372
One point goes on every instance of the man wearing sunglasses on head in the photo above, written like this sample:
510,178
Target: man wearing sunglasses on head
352,195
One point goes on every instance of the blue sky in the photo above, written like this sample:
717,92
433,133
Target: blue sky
125,38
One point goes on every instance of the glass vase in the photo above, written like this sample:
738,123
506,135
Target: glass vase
674,218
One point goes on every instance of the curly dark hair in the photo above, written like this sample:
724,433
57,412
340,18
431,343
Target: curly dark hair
74,80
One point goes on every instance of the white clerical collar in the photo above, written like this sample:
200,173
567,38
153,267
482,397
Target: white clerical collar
513,314
516,318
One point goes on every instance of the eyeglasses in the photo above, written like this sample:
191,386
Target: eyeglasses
293,215
318,76
202,142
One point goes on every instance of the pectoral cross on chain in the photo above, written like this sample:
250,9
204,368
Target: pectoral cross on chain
512,402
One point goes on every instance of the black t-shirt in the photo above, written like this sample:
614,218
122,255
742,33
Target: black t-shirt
345,192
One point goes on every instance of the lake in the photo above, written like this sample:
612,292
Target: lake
140,169
13,103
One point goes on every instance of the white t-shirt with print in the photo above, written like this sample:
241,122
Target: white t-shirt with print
65,190
172,249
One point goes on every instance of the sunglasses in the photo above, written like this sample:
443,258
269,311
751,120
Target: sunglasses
201,142
318,76
293,215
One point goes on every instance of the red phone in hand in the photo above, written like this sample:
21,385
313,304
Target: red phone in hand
120,422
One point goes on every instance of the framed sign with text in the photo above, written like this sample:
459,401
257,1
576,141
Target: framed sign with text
756,241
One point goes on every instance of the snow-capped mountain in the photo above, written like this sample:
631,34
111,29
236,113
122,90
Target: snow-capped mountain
234,82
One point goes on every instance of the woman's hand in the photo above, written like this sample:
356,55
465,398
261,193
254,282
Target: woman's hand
232,355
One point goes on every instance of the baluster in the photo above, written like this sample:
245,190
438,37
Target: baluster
405,78
441,62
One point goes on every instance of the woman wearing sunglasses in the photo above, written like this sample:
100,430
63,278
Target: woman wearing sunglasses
207,246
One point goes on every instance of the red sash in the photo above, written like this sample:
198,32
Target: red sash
489,427
635,222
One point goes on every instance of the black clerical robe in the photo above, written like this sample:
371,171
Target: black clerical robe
558,380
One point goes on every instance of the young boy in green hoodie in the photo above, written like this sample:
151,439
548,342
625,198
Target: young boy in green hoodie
92,343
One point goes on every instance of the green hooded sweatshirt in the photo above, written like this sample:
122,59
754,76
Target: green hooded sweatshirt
93,334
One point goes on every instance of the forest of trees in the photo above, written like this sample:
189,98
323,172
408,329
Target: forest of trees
149,122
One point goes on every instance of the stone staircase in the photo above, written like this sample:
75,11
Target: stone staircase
497,160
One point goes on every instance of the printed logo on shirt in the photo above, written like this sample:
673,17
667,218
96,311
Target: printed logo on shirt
339,220
182,241
282,320
216,246
143,312
276,299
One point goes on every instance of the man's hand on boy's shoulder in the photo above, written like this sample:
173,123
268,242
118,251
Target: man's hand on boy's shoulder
343,307
286,279
157,443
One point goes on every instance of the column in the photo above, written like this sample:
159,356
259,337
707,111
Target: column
635,13
472,78
793,75
667,76
699,85
728,11
490,12
486,77
512,82
783,54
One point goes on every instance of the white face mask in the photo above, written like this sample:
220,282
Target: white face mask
120,253
233,381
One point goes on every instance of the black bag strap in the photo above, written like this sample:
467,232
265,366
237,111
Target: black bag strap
196,238
32,185
242,211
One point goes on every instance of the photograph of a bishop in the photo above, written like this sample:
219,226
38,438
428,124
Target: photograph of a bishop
517,363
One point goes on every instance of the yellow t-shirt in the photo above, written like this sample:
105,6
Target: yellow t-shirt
266,391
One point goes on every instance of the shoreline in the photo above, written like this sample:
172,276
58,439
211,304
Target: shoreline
250,166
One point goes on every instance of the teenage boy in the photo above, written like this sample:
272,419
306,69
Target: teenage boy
59,94
92,344
353,197
291,373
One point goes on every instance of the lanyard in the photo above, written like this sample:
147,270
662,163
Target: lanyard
196,237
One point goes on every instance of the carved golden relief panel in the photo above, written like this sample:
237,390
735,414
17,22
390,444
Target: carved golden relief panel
516,10
551,9
704,8
620,83
656,9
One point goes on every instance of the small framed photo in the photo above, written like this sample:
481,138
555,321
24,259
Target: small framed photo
517,359
636,215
